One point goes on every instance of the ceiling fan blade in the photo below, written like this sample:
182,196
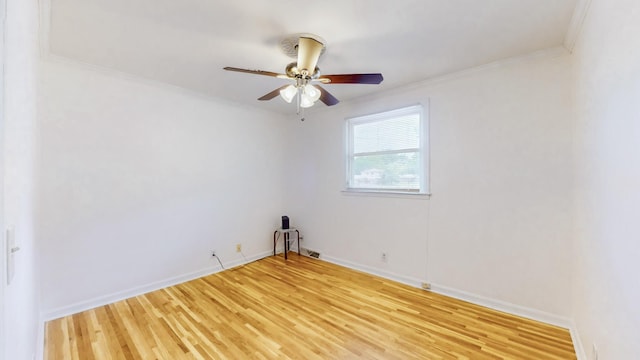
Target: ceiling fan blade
257,72
272,94
308,53
326,97
352,79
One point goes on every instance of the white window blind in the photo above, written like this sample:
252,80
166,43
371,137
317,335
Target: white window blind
386,151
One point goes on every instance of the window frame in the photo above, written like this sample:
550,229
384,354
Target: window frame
423,150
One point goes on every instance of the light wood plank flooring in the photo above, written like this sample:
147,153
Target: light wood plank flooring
299,309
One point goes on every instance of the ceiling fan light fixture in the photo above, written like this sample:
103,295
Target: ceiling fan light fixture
288,93
312,92
306,101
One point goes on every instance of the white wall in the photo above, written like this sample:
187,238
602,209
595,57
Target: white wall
20,298
606,275
139,182
498,223
3,247
143,180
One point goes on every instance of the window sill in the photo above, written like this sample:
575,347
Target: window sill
386,193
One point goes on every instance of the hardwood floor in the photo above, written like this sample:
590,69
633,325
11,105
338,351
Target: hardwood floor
299,309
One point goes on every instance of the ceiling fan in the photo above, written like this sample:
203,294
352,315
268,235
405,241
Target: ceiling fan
306,75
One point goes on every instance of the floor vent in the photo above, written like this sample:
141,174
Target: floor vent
313,254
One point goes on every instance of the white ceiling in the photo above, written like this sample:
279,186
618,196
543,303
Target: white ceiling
187,42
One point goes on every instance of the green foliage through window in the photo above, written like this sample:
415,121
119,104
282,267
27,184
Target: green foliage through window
386,151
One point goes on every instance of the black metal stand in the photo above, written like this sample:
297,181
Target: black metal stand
287,247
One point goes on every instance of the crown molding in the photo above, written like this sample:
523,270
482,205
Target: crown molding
540,55
46,55
107,72
577,20
575,27
549,53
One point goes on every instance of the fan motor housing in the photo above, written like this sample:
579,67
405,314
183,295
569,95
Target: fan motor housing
293,71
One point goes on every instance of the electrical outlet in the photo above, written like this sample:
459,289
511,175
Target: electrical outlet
383,257
594,352
425,286
238,247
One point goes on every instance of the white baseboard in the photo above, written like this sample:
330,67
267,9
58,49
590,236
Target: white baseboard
529,313
504,306
577,343
490,303
139,290
407,280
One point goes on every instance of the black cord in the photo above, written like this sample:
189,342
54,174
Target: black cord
217,258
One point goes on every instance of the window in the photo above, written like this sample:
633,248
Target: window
386,152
